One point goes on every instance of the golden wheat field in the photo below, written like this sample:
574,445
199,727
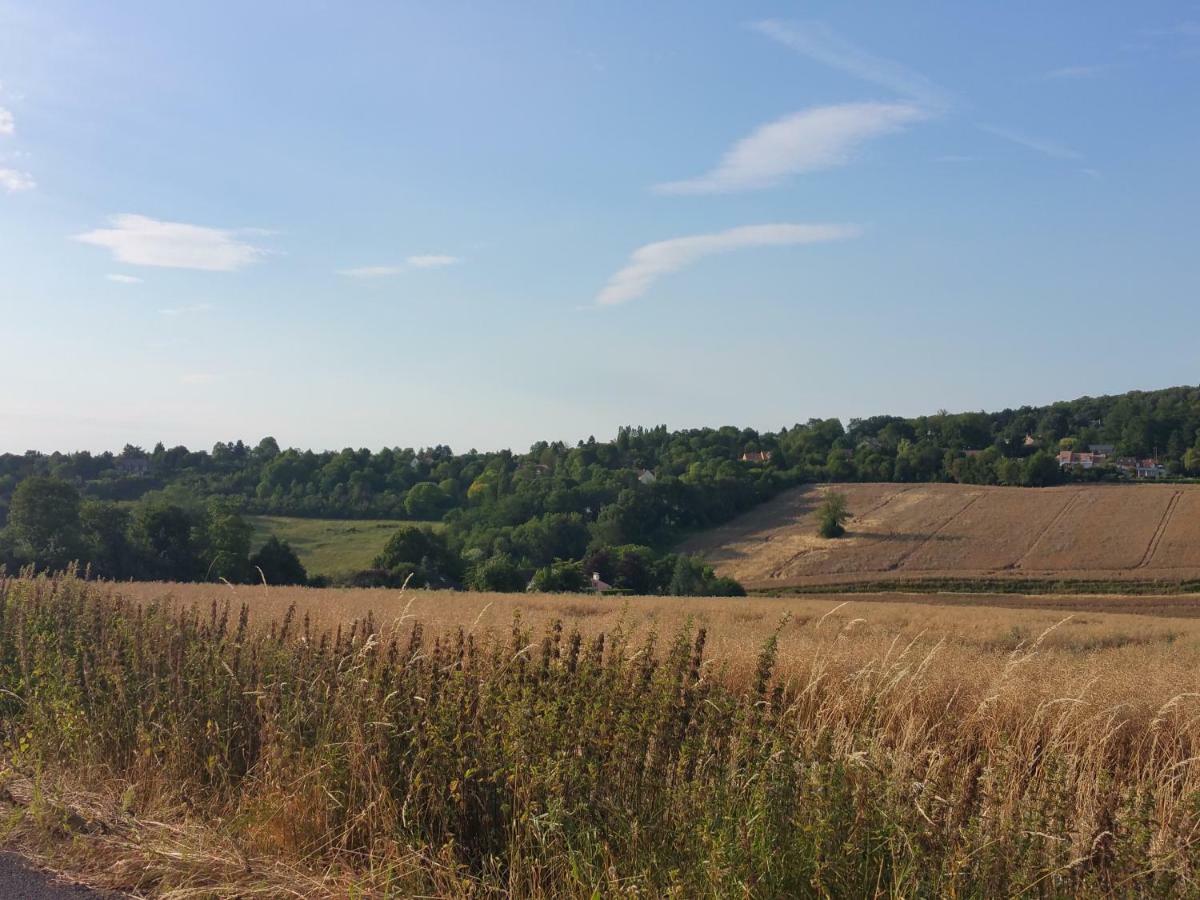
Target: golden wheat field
1142,531
272,741
1143,640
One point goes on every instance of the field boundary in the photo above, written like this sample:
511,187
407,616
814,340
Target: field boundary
967,585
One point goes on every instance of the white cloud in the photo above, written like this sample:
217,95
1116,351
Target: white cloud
432,261
124,279
819,42
1040,145
143,241
12,181
1076,72
372,271
816,138
186,310
649,263
429,261
7,126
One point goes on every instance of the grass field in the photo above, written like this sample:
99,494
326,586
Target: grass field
335,743
327,546
1144,532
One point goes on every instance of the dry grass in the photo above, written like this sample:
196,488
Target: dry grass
808,745
909,531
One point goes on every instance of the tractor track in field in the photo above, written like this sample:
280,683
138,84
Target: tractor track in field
1071,503
1164,522
912,551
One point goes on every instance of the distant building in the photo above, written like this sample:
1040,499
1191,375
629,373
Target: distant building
756,456
1150,468
1083,460
1030,441
1102,449
645,476
598,585
137,468
1139,468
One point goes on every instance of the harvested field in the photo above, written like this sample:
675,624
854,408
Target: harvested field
1115,532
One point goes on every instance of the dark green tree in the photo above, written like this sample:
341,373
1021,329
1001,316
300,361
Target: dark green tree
561,577
497,573
278,563
832,516
43,521
108,549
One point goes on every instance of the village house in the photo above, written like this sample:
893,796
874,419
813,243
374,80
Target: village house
598,585
1083,460
756,456
645,476
1150,468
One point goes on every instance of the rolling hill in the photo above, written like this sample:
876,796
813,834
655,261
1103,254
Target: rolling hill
936,531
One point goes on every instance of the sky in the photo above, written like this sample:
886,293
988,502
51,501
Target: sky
378,224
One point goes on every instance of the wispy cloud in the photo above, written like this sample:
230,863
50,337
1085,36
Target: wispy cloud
1076,72
13,181
432,261
372,271
186,310
1039,145
143,241
7,125
123,279
813,139
818,42
427,261
649,263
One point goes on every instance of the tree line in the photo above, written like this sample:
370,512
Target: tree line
614,508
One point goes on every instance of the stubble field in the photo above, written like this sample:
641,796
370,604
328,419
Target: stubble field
1143,532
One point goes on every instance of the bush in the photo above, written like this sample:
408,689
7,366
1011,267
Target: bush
499,573
560,577
278,563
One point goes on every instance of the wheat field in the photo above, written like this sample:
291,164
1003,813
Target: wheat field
200,740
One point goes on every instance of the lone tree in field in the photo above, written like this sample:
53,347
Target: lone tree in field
832,515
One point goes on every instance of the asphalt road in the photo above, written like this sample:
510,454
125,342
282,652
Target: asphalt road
21,881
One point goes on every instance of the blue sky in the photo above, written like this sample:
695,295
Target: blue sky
370,224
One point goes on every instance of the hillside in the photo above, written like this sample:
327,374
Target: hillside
902,531
327,546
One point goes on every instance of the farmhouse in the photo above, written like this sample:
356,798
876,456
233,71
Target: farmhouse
645,476
598,585
1083,460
